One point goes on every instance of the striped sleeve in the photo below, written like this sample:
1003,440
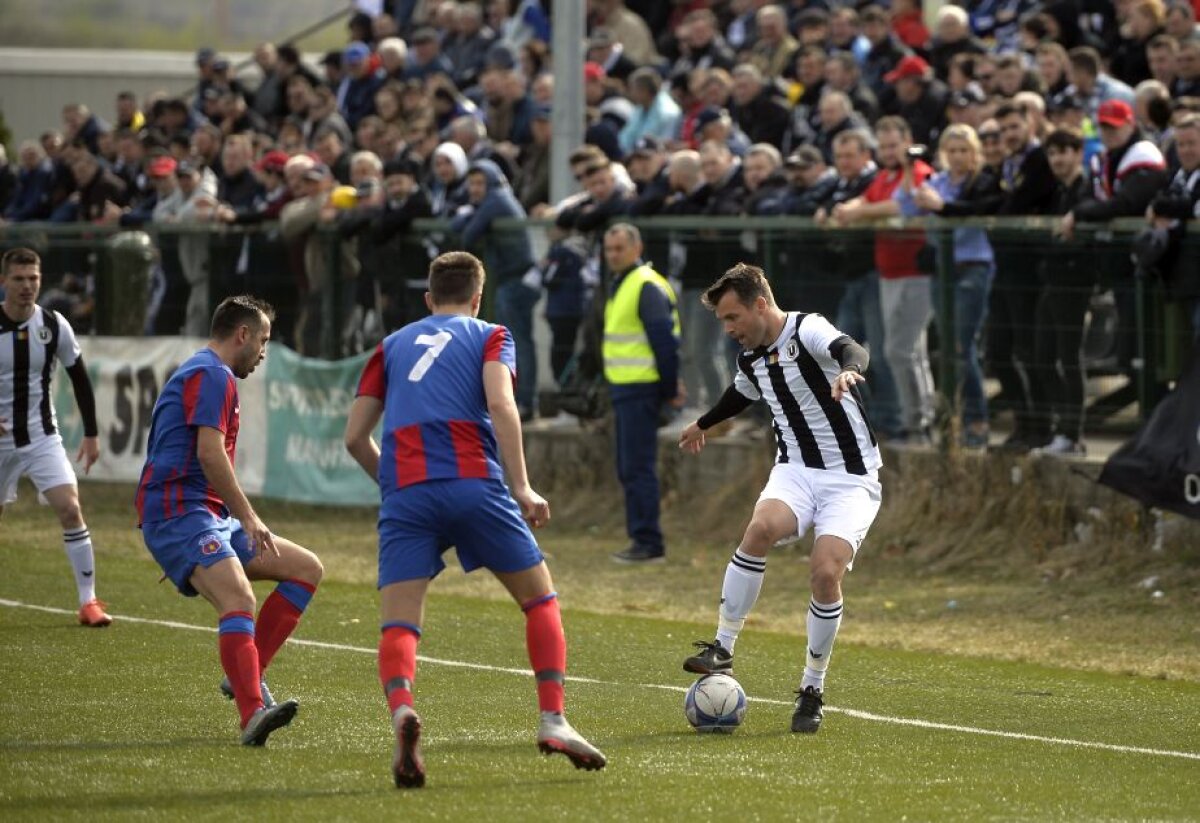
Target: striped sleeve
207,398
68,347
373,382
816,334
499,347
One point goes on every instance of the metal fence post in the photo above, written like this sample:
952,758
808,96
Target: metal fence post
330,317
947,339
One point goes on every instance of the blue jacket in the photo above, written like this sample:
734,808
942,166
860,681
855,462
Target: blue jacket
507,254
562,275
356,98
32,198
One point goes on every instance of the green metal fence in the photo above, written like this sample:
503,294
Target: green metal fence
108,277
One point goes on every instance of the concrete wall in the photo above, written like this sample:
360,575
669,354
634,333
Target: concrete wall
36,83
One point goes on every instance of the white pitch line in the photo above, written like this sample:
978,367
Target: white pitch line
855,713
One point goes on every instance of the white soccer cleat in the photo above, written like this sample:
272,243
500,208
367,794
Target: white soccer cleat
266,720
555,735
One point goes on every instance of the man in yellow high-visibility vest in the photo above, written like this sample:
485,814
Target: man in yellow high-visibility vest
641,365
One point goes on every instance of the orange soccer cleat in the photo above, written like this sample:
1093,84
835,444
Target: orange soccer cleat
92,614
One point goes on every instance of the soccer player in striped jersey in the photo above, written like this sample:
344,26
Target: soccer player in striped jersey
444,389
826,474
200,527
32,339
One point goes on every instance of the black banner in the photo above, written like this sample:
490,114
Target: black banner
1160,465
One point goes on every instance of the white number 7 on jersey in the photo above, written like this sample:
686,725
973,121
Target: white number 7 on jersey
435,342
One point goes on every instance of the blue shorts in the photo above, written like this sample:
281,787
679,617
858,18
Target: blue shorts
194,539
478,517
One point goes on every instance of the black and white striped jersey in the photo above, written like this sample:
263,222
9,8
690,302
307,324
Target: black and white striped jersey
28,352
795,376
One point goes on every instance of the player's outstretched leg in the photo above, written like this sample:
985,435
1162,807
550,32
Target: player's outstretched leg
299,572
772,521
547,646
831,555
397,668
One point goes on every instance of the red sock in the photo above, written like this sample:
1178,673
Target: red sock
547,650
239,658
279,616
398,662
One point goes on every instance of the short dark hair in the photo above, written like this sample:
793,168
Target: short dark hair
1086,58
1063,140
748,282
237,311
1009,109
18,257
454,278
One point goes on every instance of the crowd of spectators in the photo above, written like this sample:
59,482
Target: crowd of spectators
841,111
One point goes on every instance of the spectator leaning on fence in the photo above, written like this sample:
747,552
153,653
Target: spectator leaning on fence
1172,209
964,180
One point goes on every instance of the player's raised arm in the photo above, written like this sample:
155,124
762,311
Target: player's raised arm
506,420
210,451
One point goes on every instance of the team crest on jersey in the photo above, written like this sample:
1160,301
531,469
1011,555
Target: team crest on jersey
792,351
44,336
210,544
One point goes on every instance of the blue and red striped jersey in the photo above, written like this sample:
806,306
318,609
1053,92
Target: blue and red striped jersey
201,392
429,376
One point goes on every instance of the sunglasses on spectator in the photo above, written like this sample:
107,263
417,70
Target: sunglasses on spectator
989,135
984,78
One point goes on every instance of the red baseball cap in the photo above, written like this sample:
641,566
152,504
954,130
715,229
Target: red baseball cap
272,161
910,66
593,71
161,167
1115,113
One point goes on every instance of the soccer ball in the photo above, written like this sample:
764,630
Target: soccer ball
715,703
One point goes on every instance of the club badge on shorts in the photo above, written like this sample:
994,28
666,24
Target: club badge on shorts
210,544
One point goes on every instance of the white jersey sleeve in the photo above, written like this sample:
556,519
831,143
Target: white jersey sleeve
816,335
744,385
68,347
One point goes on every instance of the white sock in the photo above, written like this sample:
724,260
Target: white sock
743,581
823,622
78,543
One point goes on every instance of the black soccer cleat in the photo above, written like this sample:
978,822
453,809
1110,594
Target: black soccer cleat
711,659
808,714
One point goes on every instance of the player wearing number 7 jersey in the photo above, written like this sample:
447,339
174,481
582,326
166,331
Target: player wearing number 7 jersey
444,388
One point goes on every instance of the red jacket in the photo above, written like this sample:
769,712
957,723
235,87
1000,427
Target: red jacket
896,251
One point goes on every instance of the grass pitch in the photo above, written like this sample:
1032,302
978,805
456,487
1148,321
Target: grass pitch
128,722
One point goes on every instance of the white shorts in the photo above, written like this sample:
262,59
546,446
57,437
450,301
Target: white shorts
44,461
833,502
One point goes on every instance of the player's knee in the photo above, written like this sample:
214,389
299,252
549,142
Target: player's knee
825,578
312,569
70,515
758,539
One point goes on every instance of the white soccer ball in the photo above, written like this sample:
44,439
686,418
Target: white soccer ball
715,703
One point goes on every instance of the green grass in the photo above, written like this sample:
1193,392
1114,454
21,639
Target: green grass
127,721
